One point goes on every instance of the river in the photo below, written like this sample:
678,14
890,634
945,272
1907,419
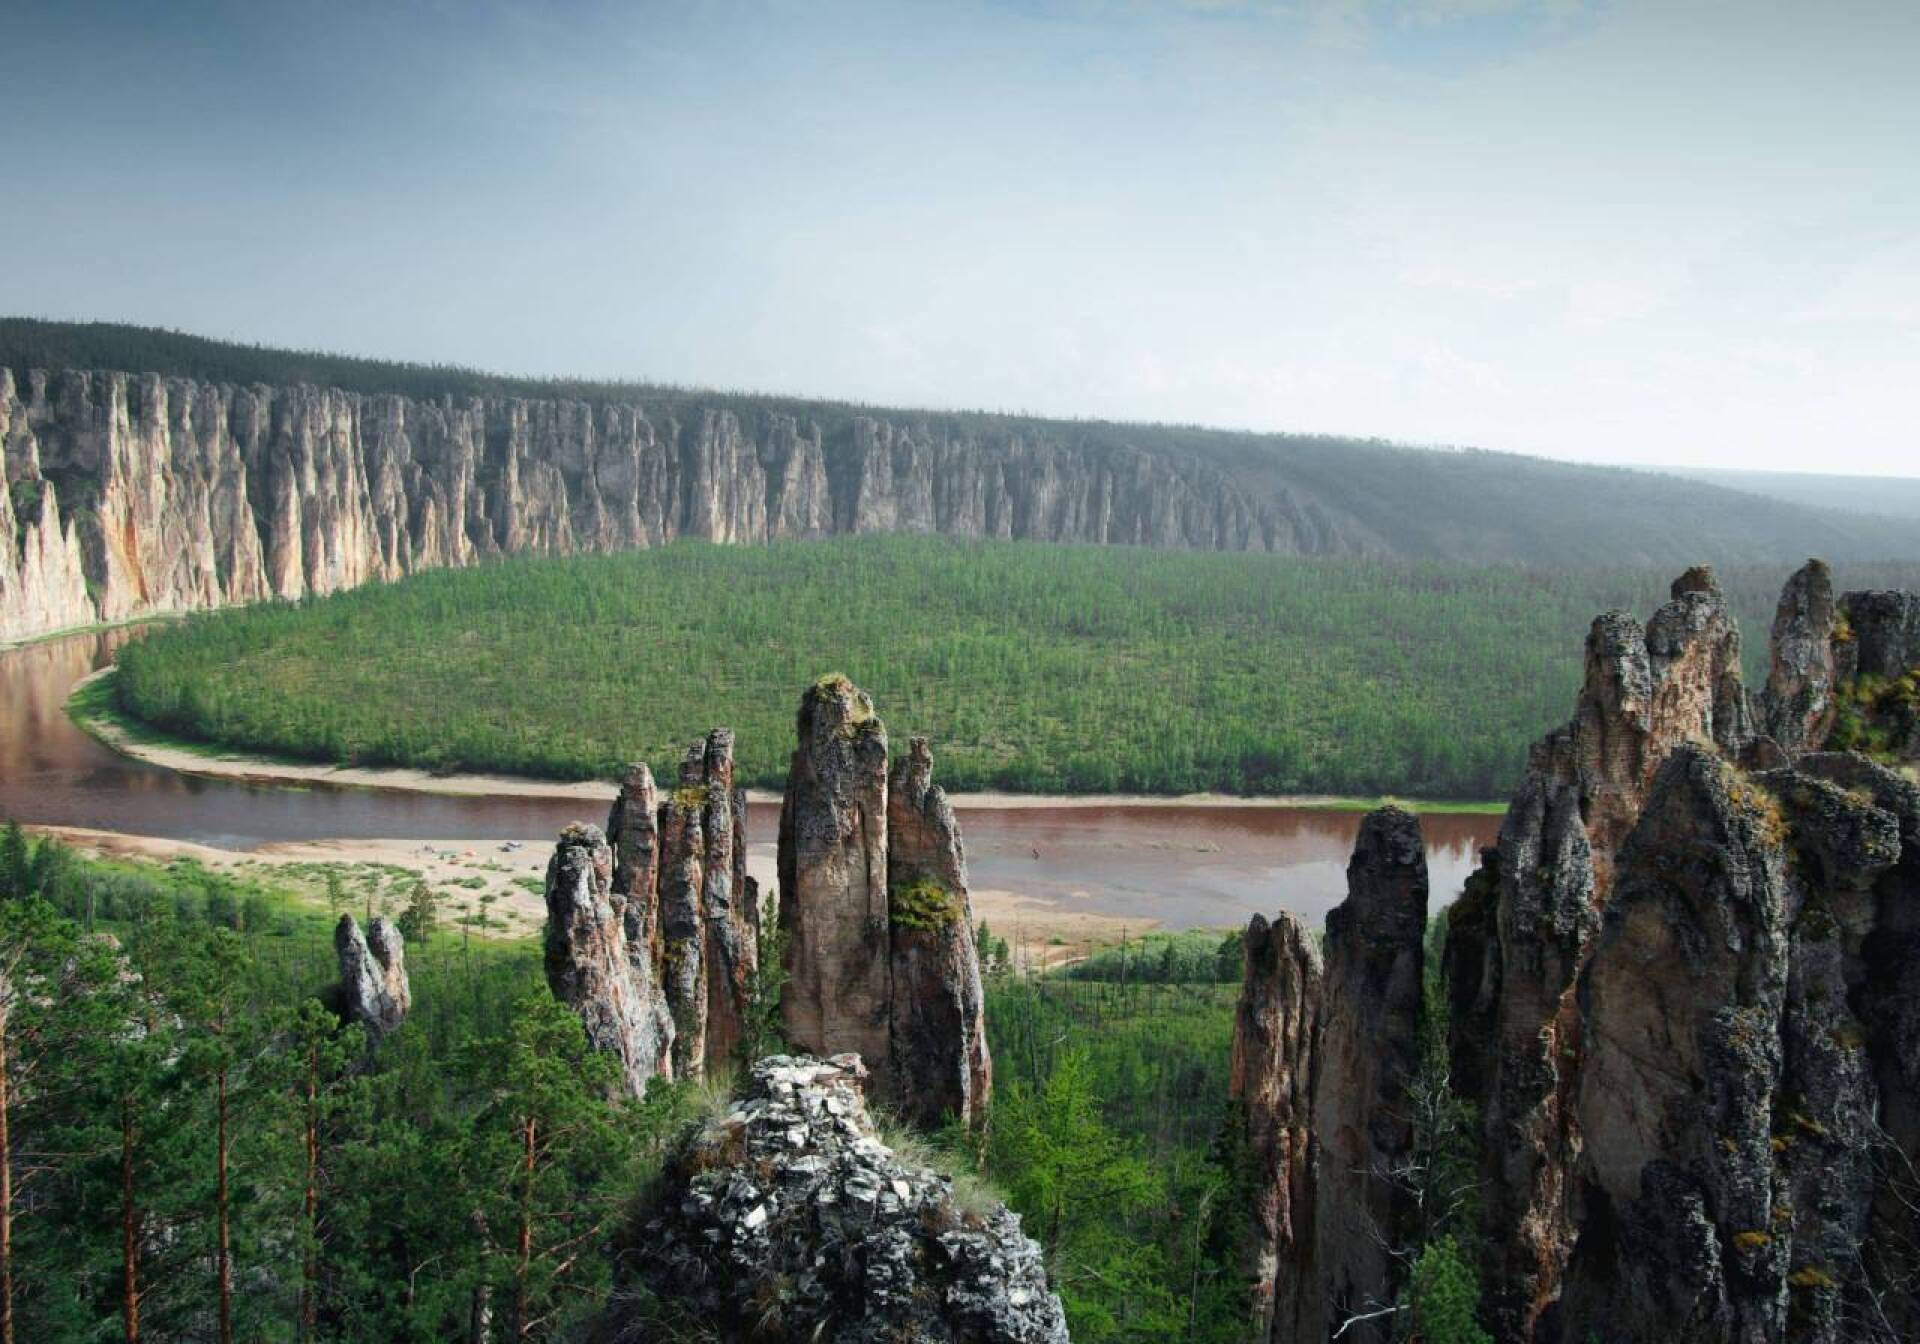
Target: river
1181,865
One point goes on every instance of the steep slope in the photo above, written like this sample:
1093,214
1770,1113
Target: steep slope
214,473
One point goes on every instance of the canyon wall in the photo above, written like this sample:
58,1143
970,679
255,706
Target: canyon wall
132,494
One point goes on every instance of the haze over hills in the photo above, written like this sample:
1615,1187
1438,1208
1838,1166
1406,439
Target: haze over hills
153,471
1892,496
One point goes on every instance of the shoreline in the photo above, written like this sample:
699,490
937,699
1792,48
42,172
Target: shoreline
210,761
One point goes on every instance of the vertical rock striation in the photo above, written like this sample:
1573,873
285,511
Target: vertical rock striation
833,881
658,952
1322,1059
1368,1051
1797,706
136,493
590,966
873,899
373,976
1275,1029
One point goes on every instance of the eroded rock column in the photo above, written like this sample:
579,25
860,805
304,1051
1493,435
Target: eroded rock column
833,881
1274,1034
373,976
939,1029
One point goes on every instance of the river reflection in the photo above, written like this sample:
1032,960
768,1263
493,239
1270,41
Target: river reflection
1183,866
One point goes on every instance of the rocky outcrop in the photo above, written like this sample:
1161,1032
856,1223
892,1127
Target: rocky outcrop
1797,706
373,987
1275,1030
1678,996
136,493
1846,671
1728,1097
1323,1057
880,956
938,1021
1367,1053
1522,930
786,1218
833,881
653,928
592,968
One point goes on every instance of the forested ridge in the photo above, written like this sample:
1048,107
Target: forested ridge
1351,494
1035,668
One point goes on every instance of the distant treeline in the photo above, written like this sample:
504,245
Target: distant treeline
1032,668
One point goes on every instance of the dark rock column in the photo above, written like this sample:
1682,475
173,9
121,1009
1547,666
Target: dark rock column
938,1022
833,880
1274,1033
1368,1051
1797,705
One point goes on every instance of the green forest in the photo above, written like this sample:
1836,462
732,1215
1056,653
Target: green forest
1032,668
199,1150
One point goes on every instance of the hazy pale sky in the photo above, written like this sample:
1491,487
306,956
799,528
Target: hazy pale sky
1675,231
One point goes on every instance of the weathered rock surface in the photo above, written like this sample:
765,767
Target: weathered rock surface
1523,929
373,975
1368,1051
880,956
148,494
1797,705
1728,1098
653,929
1322,1059
1275,1030
833,882
590,966
787,1219
939,1027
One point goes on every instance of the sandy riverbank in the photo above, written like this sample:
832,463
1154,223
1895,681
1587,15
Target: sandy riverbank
505,883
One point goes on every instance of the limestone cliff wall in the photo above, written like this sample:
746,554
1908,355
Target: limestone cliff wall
133,493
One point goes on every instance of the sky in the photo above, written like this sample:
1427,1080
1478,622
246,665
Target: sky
1676,232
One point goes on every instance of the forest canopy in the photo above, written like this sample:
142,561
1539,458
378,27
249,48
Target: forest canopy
1033,668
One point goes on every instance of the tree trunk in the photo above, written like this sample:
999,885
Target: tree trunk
310,1260
129,1233
224,1254
522,1269
6,1182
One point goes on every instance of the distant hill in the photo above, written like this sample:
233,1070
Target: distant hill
1892,496
1050,479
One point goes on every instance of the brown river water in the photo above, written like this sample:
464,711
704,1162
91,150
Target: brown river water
1184,866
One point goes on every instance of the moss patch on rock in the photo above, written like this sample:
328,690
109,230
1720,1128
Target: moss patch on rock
922,904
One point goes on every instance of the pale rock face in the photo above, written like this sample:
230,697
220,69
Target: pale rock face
941,1066
833,881
873,898
180,495
589,966
1275,1029
658,952
373,976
